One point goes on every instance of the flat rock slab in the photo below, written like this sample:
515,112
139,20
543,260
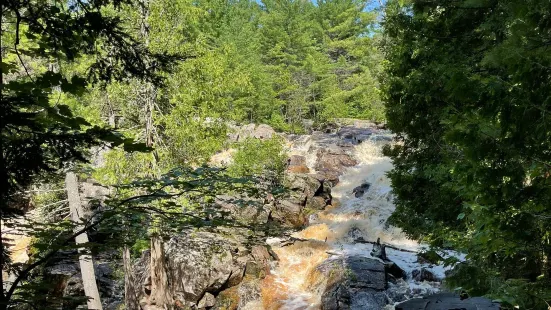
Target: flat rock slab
448,301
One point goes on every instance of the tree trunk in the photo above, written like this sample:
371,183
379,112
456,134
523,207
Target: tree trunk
159,279
85,259
131,301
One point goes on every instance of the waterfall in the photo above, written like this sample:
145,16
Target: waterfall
333,233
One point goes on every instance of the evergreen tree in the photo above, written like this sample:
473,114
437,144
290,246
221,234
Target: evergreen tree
467,92
349,42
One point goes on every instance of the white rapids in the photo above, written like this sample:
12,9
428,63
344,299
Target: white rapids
333,231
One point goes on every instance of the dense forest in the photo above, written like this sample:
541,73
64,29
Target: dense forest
467,92
114,112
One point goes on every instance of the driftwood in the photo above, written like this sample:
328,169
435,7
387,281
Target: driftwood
378,242
292,240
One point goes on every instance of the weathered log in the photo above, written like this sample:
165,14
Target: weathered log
362,240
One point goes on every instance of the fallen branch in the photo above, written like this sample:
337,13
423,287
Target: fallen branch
362,240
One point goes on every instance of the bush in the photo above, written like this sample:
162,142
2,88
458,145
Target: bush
256,157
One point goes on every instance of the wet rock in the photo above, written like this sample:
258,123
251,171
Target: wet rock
241,133
366,272
354,283
424,274
379,250
355,135
359,191
429,257
334,160
246,295
394,270
228,299
447,301
313,218
398,290
328,177
257,267
381,138
355,233
249,291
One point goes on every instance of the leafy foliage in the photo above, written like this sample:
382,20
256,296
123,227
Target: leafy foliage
261,158
40,134
467,91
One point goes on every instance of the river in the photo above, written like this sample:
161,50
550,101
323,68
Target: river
332,233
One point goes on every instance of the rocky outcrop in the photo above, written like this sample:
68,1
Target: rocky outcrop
353,282
200,265
241,133
245,210
392,269
332,162
356,134
305,193
222,270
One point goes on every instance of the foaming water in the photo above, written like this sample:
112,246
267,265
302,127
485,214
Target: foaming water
333,233
367,215
286,287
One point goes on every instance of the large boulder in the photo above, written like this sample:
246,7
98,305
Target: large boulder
263,131
201,264
305,193
446,301
359,191
352,282
297,164
354,134
332,162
